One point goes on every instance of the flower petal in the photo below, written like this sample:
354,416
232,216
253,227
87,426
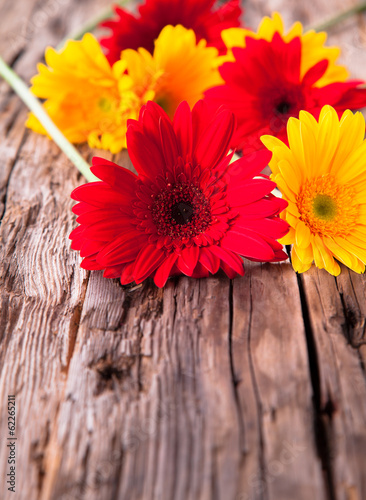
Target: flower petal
248,245
147,261
164,269
214,143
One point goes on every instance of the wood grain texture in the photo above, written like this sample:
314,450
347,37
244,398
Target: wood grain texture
253,389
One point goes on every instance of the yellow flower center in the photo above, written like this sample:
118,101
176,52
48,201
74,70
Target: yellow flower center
105,104
324,207
327,208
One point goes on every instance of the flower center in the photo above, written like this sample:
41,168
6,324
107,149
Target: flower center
105,104
326,207
181,211
283,108
279,103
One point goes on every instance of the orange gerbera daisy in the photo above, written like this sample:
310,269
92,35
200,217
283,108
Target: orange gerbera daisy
91,101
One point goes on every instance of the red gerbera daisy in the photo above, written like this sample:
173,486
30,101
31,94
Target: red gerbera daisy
130,32
264,88
187,211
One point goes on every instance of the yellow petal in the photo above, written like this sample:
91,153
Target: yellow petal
328,137
289,238
305,254
295,141
291,174
292,209
286,192
302,235
298,266
353,165
328,262
336,246
317,256
234,37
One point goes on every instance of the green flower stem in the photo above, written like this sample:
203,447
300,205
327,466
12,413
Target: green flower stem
90,25
357,9
34,105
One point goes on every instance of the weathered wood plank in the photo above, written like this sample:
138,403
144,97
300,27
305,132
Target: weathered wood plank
173,408
342,382
271,363
42,291
42,287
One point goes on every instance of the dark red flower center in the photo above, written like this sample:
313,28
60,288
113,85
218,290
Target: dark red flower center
181,211
283,107
279,104
283,100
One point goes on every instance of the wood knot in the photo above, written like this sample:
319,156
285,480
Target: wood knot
113,374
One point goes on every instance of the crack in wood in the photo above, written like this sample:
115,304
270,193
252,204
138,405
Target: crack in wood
4,199
235,380
262,483
322,416
353,315
75,325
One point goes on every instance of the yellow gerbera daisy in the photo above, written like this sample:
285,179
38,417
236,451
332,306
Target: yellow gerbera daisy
91,101
87,98
322,175
312,46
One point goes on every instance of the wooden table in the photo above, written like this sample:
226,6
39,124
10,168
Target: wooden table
251,389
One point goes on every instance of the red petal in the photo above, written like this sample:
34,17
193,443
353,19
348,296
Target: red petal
346,95
113,272
108,229
127,276
214,143
99,215
280,255
200,271
247,245
168,142
122,249
201,116
230,258
248,192
145,154
89,248
315,73
209,260
147,261
274,228
229,271
117,177
190,257
163,271
99,194
182,124
250,165
75,233
82,208
182,266
264,208
150,118
90,264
